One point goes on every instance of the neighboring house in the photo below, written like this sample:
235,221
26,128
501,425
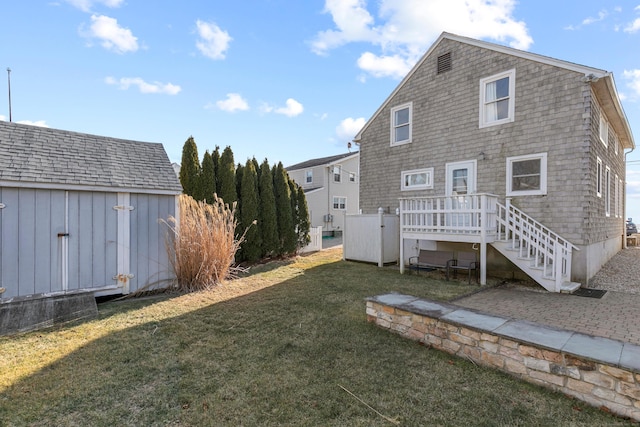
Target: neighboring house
81,213
330,185
517,155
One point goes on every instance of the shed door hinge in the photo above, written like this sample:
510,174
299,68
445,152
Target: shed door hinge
2,206
123,208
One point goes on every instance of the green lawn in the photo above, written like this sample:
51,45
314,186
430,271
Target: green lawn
287,345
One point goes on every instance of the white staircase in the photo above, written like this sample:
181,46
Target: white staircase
536,250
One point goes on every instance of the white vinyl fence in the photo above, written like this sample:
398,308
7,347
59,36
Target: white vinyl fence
316,240
371,238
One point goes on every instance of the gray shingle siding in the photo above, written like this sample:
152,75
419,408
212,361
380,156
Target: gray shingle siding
553,115
30,154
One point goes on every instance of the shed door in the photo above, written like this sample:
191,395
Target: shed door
92,227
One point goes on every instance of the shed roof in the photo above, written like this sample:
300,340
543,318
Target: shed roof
320,161
53,158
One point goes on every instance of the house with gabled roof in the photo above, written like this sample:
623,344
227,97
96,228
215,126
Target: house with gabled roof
81,214
517,156
330,186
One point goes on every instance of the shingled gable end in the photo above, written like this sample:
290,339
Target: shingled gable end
79,214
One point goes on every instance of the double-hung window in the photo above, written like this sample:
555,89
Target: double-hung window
615,196
417,179
309,176
401,126
337,173
527,175
497,99
339,203
599,178
607,191
604,130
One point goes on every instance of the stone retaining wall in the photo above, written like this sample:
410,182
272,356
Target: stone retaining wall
475,336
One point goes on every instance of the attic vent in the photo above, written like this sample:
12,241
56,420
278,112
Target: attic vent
444,63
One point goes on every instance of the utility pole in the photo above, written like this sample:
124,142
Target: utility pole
9,82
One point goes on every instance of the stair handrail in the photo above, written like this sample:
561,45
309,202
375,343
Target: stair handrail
538,240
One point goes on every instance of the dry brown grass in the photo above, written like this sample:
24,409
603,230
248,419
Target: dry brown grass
203,245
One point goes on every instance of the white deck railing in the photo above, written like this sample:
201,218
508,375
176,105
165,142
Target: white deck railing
472,214
547,250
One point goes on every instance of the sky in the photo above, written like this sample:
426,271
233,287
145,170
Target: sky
286,80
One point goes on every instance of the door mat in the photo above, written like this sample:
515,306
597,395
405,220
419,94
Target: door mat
590,293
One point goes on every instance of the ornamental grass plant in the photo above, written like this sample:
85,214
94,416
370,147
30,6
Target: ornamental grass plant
203,244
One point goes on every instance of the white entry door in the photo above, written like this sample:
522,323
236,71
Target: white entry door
461,178
460,182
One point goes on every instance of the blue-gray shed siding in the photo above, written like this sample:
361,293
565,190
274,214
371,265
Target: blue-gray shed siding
149,259
31,260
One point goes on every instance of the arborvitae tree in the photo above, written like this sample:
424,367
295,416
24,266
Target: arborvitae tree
208,177
293,194
190,168
286,230
251,247
240,227
238,176
215,156
227,177
303,224
256,165
267,220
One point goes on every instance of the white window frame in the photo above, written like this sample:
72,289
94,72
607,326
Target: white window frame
337,176
408,105
607,191
604,130
428,184
336,202
543,175
620,191
599,177
352,177
511,74
616,191
308,176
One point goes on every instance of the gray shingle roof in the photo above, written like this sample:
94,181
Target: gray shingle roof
52,156
321,161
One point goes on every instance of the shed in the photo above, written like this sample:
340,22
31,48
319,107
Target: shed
80,214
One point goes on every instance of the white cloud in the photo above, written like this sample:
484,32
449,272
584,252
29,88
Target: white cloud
349,128
353,22
633,26
234,102
156,87
87,5
213,42
40,123
394,66
293,108
590,20
112,36
633,77
405,28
